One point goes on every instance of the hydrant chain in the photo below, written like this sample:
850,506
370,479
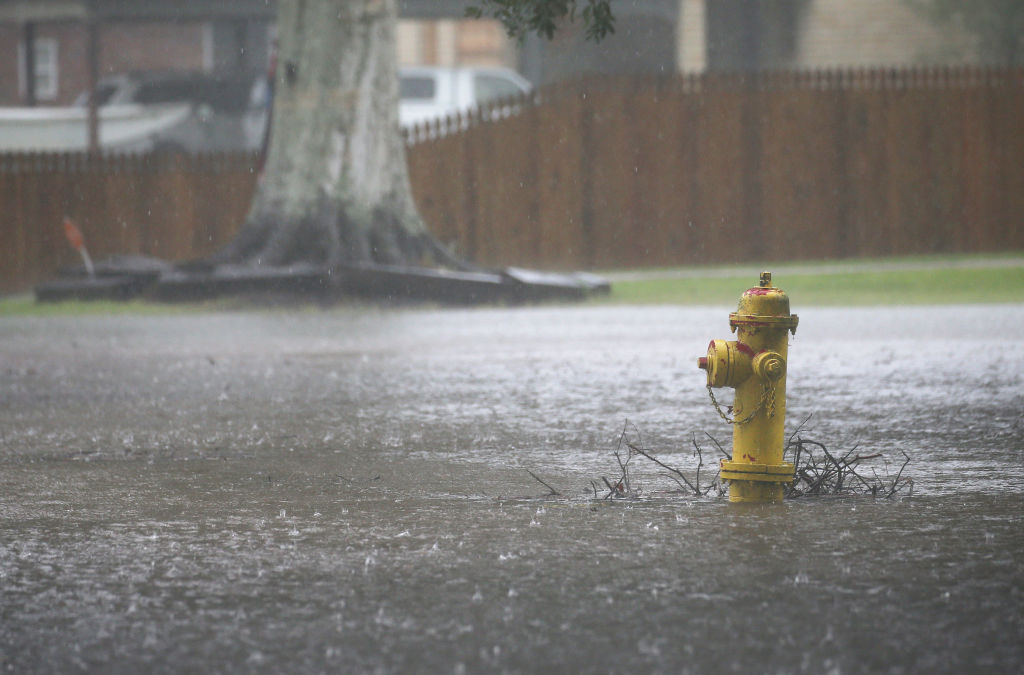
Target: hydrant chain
767,396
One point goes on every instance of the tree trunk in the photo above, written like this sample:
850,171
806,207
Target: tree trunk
335,189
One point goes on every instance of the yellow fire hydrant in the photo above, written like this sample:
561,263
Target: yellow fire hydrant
755,365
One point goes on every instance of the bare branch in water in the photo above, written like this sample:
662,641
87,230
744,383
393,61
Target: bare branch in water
625,486
553,493
671,469
719,446
831,475
818,471
896,480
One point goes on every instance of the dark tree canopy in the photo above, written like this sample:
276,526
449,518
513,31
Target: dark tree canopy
522,17
997,25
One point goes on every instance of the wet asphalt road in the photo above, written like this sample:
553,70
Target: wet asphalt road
349,491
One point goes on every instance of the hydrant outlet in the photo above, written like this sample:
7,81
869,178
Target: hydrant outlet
769,365
728,363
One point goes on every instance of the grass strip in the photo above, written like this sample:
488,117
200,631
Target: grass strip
954,282
866,288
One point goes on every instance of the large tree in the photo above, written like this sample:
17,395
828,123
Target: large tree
335,189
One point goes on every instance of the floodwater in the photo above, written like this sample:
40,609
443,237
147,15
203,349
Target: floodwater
349,491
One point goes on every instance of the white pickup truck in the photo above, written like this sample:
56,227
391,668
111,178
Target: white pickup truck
427,92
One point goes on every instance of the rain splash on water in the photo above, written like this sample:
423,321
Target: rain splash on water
350,490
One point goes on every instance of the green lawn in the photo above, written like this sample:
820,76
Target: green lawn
868,287
890,281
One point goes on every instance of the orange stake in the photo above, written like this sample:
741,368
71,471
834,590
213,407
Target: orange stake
77,241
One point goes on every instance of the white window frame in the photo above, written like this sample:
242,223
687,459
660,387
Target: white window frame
47,69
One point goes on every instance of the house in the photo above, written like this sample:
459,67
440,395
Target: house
665,36
58,41
223,36
652,36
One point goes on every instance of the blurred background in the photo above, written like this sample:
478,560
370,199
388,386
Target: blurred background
700,132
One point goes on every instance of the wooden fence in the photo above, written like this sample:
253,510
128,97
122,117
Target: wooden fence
170,206
722,168
614,172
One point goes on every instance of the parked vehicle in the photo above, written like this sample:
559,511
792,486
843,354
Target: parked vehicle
225,113
122,127
196,112
143,111
427,93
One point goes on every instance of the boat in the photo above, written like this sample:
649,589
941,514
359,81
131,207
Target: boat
127,127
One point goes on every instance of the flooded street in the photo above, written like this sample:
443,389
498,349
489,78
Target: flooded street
350,491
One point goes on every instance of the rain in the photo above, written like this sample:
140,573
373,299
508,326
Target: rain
328,483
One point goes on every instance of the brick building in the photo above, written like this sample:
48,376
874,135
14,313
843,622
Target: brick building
652,36
229,36
61,61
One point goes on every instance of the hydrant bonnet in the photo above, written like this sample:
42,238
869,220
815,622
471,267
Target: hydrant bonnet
764,306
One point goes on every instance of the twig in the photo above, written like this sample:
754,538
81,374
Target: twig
554,492
675,480
700,460
613,490
644,453
896,480
861,458
624,472
719,446
798,428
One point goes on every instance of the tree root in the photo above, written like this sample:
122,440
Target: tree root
334,238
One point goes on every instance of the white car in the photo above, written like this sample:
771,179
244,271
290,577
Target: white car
427,93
